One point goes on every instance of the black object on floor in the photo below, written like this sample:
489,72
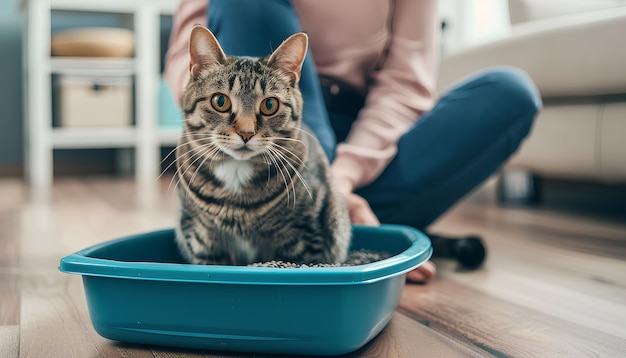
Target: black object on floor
468,251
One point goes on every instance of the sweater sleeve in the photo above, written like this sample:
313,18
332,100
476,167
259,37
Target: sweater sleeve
402,91
188,14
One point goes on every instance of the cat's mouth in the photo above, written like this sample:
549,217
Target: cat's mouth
243,148
242,152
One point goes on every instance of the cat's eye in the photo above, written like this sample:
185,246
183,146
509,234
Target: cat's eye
220,102
269,106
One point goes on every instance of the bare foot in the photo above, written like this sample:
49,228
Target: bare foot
422,274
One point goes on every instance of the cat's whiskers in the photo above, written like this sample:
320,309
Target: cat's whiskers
179,170
295,170
204,156
208,156
307,133
276,145
269,169
199,152
274,159
285,138
204,137
207,153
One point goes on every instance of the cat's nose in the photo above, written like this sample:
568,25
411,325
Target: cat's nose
245,126
246,136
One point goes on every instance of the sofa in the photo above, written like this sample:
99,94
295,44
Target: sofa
575,51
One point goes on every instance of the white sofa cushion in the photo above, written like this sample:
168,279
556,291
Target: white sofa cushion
580,54
530,10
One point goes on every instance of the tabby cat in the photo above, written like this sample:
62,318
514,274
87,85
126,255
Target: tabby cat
254,185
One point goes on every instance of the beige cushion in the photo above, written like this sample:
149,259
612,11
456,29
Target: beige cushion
562,142
571,55
611,144
530,10
577,140
94,42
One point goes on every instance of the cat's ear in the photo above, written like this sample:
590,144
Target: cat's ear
289,56
204,50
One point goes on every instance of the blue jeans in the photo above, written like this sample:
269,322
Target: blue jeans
472,130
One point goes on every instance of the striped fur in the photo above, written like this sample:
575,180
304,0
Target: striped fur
253,187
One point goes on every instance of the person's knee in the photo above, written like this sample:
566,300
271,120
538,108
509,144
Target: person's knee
515,100
514,87
519,100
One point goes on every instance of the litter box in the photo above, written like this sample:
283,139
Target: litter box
139,290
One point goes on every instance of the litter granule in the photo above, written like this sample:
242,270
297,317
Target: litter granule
359,257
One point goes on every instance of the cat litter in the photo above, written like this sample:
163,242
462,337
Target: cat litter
359,257
139,290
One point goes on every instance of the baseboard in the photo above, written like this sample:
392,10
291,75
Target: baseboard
11,171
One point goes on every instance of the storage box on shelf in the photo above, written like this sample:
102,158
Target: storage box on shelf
113,135
95,102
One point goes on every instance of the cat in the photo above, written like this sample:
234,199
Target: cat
254,184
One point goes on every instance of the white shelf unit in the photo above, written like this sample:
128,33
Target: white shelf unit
145,136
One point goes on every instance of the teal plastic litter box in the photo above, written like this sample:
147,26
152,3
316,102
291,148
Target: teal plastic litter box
139,290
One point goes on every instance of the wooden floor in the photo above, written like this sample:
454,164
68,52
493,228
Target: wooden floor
554,284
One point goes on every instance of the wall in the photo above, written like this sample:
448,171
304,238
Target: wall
469,22
11,123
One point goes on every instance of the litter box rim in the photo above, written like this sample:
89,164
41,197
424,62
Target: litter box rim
83,263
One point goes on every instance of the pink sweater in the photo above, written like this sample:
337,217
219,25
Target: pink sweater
348,39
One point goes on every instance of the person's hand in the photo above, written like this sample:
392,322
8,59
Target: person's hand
422,274
358,208
361,213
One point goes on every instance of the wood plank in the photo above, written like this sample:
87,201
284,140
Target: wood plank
531,264
9,341
13,193
54,319
404,337
9,238
572,297
502,328
560,230
516,251
9,298
13,196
